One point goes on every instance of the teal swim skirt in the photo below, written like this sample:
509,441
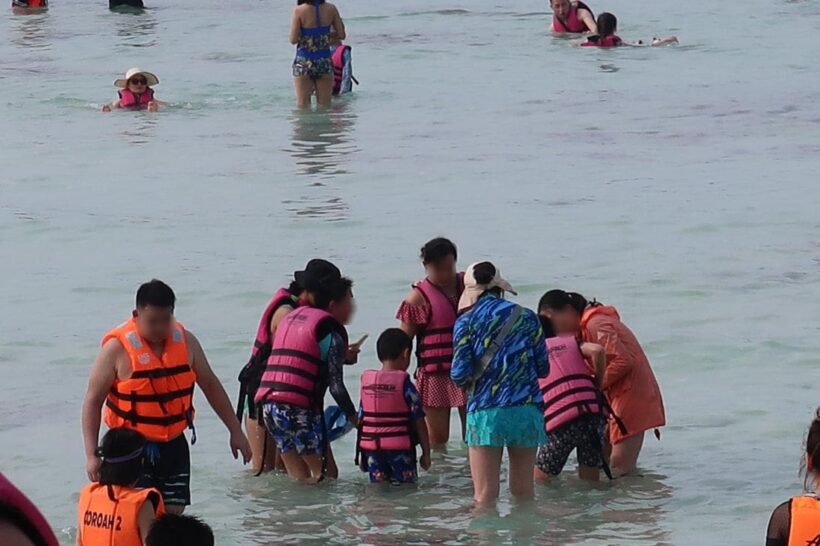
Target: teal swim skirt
516,426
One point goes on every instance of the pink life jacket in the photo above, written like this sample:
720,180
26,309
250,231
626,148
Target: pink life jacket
251,375
343,79
434,347
569,390
596,41
573,24
135,102
294,367
385,424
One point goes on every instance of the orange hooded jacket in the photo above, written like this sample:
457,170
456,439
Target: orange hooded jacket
629,383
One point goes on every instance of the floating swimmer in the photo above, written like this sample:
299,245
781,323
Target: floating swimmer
796,522
391,420
135,92
607,27
572,17
113,510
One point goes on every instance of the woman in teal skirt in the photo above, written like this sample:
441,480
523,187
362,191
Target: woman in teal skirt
499,355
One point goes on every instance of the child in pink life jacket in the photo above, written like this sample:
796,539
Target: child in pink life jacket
391,419
135,92
607,27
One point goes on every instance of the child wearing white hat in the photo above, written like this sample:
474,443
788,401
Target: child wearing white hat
135,92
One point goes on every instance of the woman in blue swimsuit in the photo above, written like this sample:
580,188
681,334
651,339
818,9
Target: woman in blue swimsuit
316,25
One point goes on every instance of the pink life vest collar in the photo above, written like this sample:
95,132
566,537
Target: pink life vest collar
132,101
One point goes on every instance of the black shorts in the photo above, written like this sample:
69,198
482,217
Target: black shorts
168,468
585,434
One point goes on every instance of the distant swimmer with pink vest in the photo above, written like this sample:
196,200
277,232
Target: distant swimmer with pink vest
569,17
136,92
606,37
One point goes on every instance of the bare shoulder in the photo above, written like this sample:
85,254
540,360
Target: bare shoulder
415,297
112,349
191,339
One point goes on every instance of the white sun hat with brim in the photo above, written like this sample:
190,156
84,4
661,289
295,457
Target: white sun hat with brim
123,82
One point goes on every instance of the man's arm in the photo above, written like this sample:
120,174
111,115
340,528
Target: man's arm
597,355
102,377
217,397
587,18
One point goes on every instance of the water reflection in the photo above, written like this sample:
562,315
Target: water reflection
142,130
135,27
322,142
321,148
31,31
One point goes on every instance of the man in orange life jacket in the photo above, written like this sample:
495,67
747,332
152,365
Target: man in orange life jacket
145,375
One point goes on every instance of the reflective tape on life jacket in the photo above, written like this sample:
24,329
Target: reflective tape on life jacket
805,521
251,374
135,102
109,514
157,400
434,347
385,423
573,24
295,363
569,390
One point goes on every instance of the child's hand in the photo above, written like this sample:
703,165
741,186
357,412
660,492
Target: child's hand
425,461
153,106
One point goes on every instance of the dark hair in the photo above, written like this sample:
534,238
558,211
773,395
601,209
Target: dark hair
156,294
18,519
579,302
122,456
332,291
607,24
174,530
392,343
436,250
484,272
554,300
295,288
546,326
300,2
813,447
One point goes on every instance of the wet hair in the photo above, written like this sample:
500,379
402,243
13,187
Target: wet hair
156,294
332,291
607,24
579,302
436,250
546,326
18,519
174,530
392,343
300,2
122,456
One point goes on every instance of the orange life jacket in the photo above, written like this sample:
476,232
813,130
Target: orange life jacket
805,525
109,515
157,399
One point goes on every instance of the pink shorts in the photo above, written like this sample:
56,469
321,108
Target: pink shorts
437,390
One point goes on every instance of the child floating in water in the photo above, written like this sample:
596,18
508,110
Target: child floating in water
797,521
113,511
606,37
135,92
391,420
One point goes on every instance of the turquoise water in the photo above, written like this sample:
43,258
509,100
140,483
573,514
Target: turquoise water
676,183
